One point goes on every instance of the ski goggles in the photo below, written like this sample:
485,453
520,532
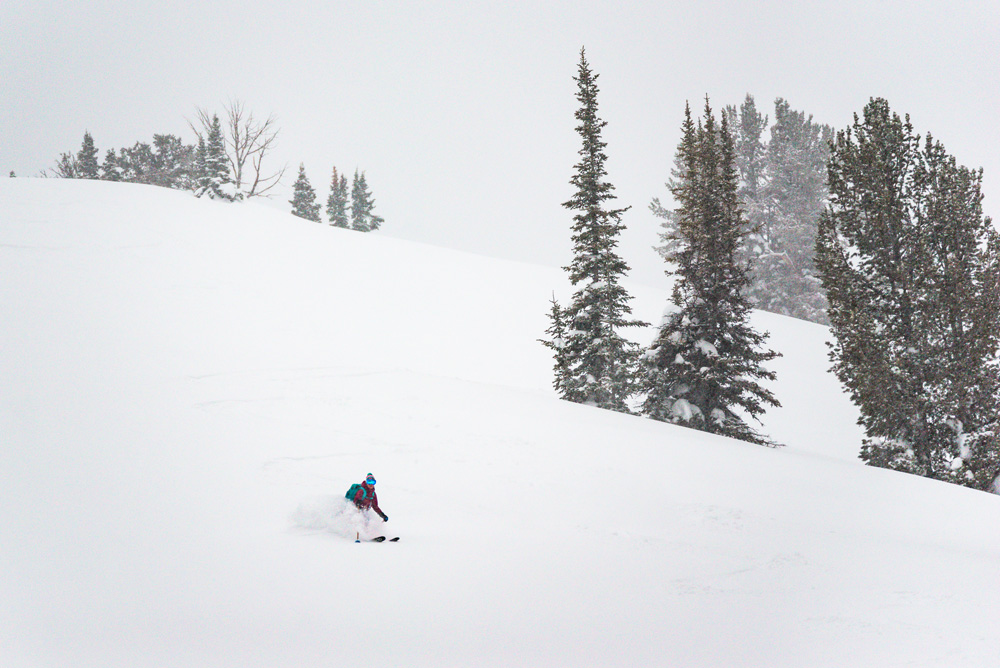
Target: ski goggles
370,480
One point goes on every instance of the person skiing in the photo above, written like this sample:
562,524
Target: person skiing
365,497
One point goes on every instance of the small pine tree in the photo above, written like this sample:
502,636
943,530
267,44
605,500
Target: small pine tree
363,218
212,165
86,159
304,204
556,342
110,170
702,369
336,203
597,363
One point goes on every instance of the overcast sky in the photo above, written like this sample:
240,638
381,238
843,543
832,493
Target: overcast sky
461,113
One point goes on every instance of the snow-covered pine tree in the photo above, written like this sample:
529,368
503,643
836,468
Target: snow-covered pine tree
87,166
747,126
212,165
336,203
785,280
556,342
304,204
702,370
363,218
782,191
911,267
600,362
109,168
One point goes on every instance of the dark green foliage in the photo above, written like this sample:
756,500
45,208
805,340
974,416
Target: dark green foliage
597,363
782,188
86,159
363,218
336,203
304,204
168,163
109,168
911,267
556,342
702,369
214,178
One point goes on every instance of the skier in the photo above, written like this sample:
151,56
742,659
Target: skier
365,497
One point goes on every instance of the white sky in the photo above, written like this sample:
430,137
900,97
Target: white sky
462,112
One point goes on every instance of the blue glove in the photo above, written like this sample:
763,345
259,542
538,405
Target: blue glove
385,518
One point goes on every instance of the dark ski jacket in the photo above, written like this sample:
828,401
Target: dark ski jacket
366,498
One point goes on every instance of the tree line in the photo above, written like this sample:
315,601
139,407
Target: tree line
227,162
872,229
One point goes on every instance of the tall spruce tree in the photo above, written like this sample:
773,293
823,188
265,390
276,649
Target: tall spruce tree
599,363
782,192
336,203
747,126
87,166
363,217
304,204
911,267
702,370
785,280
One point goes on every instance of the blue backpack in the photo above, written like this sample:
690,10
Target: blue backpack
354,490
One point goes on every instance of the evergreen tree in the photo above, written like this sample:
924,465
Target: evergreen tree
748,125
109,168
785,280
912,270
599,363
702,369
782,192
200,166
304,204
557,344
212,165
363,218
171,163
336,203
86,159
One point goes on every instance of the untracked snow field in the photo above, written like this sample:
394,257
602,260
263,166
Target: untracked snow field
187,389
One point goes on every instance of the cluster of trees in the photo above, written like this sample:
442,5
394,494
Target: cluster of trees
227,162
168,162
901,250
782,190
354,210
702,368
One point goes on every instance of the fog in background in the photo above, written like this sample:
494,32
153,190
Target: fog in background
461,113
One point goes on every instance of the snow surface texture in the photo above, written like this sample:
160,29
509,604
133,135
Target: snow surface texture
188,388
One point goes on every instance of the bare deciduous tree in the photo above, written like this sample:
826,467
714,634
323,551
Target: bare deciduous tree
248,142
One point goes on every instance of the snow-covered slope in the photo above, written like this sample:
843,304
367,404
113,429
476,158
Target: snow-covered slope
187,388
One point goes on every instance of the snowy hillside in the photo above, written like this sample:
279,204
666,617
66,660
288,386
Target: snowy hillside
187,389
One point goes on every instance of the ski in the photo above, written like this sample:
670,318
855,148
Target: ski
379,539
